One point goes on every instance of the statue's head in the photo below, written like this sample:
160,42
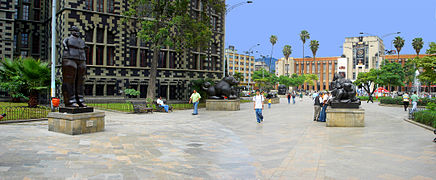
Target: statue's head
75,31
231,80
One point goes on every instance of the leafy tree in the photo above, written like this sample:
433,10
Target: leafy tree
417,44
310,78
285,80
262,78
273,41
398,43
409,71
171,23
368,79
304,35
198,86
11,80
287,51
392,74
427,66
238,76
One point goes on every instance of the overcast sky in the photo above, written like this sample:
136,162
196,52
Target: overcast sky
329,22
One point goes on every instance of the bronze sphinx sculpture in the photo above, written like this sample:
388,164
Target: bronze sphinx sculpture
344,93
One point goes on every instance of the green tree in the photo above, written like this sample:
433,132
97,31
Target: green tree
285,80
427,66
417,44
310,78
11,79
409,69
392,74
287,51
238,76
398,43
368,79
304,35
171,23
273,41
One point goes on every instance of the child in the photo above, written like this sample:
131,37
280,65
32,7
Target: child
269,103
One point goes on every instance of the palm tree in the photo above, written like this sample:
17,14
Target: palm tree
273,40
398,43
36,74
287,51
314,45
304,35
417,45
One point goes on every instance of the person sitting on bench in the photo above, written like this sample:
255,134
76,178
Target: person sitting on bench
161,103
2,116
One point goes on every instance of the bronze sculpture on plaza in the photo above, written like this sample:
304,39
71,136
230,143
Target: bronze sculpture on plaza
344,93
73,69
224,88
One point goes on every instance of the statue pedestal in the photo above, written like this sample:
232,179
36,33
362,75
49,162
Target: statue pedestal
275,100
74,124
223,105
345,117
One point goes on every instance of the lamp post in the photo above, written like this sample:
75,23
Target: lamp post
237,5
53,54
249,62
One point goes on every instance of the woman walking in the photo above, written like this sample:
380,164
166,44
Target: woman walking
322,116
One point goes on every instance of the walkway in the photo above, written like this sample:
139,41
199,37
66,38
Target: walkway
223,145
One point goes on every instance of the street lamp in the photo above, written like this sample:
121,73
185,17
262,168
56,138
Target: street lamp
237,5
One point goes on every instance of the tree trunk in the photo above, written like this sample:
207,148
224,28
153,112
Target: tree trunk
151,89
270,58
302,67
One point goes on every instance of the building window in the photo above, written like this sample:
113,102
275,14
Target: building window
36,14
100,5
99,90
88,89
110,90
24,53
172,59
110,56
15,42
132,57
35,44
110,6
99,55
162,63
16,9
143,57
24,40
214,23
89,34
89,55
89,5
26,12
354,75
214,63
100,35
37,4
110,37
133,39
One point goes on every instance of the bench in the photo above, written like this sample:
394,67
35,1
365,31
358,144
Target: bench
141,107
162,109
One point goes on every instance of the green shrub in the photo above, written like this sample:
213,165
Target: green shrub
427,117
132,92
364,98
399,100
431,106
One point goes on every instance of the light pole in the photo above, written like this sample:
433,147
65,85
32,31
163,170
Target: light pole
237,5
53,54
249,62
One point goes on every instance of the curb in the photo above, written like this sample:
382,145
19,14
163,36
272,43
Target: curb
397,105
21,121
419,124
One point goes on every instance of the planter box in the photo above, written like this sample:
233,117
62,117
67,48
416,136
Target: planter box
74,124
223,105
342,117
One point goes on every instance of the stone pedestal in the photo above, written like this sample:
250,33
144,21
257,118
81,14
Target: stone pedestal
223,105
273,100
74,124
341,117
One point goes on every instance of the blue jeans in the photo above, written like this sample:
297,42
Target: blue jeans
165,107
195,108
289,100
259,116
269,105
293,100
322,115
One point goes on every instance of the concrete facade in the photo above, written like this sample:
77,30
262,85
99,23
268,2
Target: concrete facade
339,117
75,124
223,105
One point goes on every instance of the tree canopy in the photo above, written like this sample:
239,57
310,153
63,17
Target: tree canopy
368,79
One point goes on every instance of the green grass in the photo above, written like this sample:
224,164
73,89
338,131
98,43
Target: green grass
3,104
20,111
246,101
427,117
123,107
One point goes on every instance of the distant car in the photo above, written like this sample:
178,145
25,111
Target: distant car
245,93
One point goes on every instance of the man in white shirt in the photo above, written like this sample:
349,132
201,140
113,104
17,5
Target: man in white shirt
258,106
161,104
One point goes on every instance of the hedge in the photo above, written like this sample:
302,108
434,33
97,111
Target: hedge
427,117
399,100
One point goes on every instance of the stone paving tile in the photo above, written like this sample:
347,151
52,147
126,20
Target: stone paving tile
223,145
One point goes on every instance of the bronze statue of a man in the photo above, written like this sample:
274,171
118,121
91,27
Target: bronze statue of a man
73,69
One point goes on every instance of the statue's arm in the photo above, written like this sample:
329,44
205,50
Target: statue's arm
65,43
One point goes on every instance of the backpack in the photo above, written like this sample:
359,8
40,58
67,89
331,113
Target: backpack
317,101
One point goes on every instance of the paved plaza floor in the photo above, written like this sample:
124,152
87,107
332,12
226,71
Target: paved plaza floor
224,145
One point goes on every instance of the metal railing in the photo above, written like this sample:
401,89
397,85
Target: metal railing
23,112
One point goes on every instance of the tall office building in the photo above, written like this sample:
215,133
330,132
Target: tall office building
116,58
241,63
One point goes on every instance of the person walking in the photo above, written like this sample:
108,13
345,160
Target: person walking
269,103
301,96
316,107
406,101
161,104
258,106
370,98
415,100
289,98
293,97
195,99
